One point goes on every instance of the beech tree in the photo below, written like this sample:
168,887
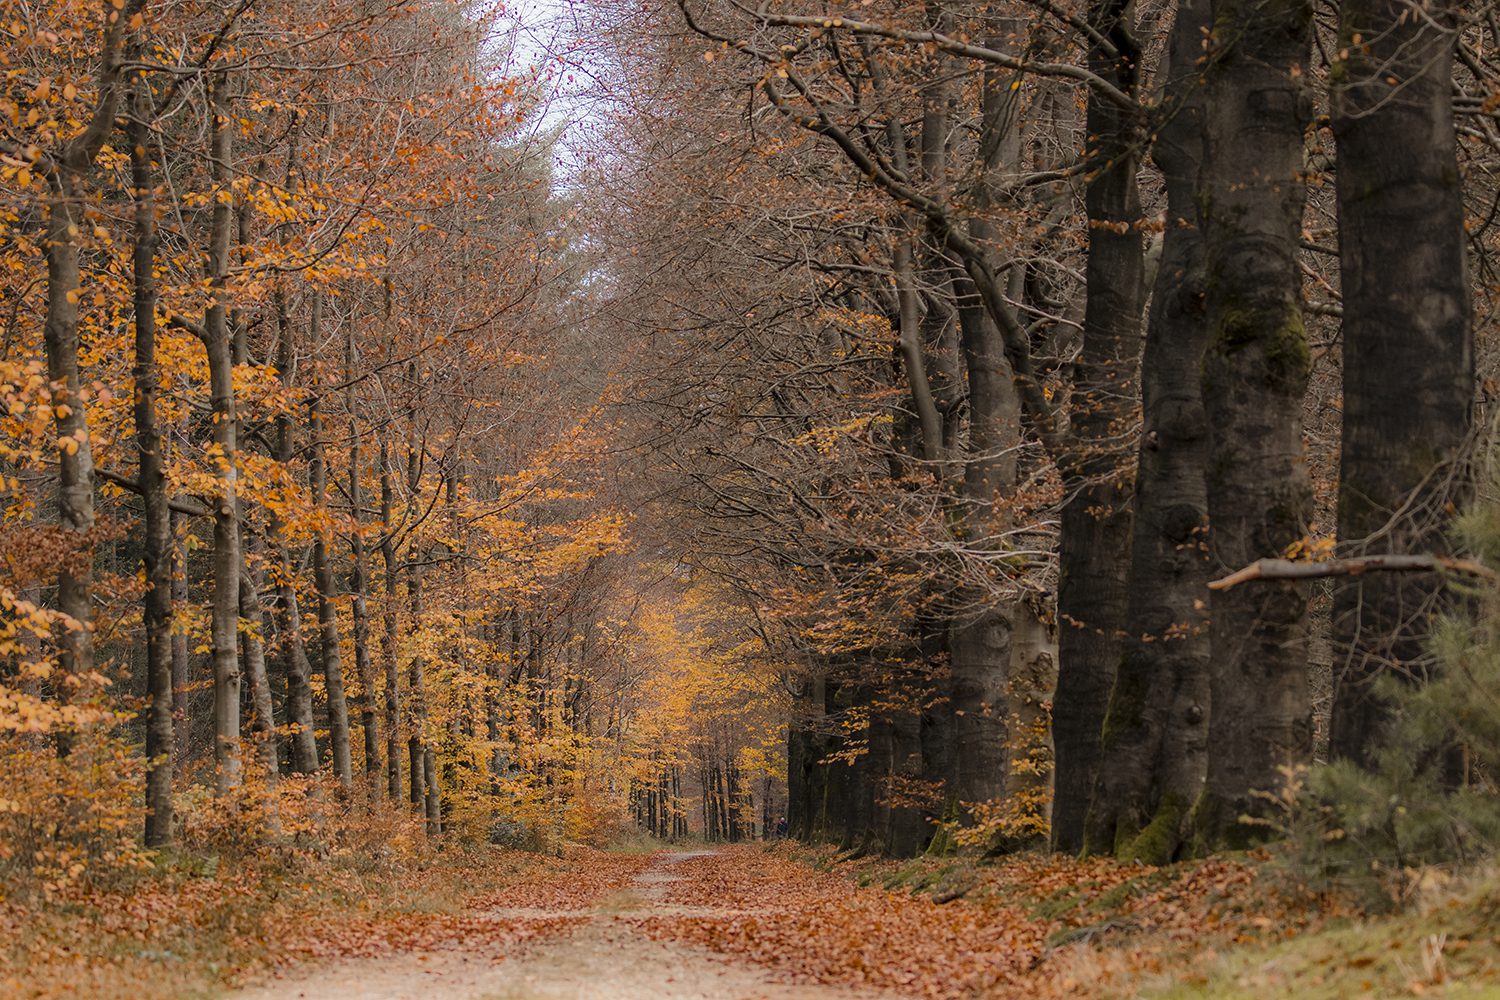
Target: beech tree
1408,338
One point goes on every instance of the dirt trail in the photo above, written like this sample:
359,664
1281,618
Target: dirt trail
606,958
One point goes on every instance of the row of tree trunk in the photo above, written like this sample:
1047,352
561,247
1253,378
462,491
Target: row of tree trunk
239,657
1175,707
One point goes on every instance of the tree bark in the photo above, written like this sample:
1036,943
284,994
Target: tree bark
263,723
294,665
359,583
424,787
389,627
978,634
328,625
1094,542
1408,340
66,175
181,656
1255,373
219,347
1154,743
156,549
75,462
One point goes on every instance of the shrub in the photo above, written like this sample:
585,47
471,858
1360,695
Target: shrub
69,820
1430,797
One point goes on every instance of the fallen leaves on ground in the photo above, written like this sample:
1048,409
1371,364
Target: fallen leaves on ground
1037,927
570,885
181,933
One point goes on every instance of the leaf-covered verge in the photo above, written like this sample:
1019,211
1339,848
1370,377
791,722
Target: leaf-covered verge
1024,926
1043,927
195,926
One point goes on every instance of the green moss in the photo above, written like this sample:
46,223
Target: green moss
1273,323
1157,844
1238,327
1125,834
905,875
1061,903
943,843
1288,357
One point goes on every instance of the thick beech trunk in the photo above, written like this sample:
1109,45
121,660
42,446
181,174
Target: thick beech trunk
1408,340
905,827
1255,373
976,769
978,644
1094,542
804,752
1154,745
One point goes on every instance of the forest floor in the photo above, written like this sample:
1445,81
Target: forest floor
737,923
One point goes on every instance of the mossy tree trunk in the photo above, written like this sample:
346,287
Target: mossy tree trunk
1155,735
1255,373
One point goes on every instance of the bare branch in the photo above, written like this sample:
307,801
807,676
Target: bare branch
1286,569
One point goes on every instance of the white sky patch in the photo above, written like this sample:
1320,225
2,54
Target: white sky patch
550,46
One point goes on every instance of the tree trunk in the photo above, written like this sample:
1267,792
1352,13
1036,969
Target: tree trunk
423,772
1155,736
75,462
66,174
294,664
906,832
978,645
433,800
965,734
181,657
219,347
389,628
1255,373
1408,340
328,625
1094,542
263,724
359,582
156,549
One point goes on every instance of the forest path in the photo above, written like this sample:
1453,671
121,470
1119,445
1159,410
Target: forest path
609,956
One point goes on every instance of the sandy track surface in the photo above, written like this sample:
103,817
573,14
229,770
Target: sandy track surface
607,958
